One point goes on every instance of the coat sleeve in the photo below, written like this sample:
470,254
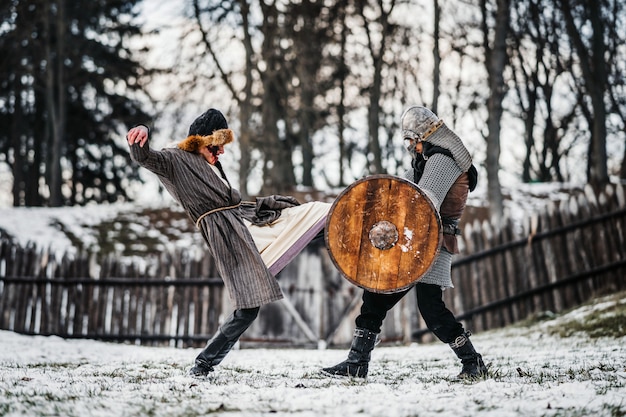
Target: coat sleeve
155,161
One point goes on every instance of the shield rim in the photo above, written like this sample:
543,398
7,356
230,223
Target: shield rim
421,192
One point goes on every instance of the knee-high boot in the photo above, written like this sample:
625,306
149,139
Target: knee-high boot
223,341
359,356
473,365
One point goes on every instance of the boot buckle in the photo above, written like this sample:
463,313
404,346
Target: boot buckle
460,340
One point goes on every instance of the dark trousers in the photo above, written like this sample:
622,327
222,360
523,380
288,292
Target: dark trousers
238,322
430,303
226,336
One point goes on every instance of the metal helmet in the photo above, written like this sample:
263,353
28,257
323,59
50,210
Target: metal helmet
418,122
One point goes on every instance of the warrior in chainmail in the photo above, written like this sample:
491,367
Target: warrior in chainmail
442,167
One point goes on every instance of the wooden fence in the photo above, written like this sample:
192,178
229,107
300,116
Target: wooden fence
567,254
551,261
157,299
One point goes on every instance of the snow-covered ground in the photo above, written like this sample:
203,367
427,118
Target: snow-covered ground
534,372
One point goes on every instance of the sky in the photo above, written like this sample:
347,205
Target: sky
533,372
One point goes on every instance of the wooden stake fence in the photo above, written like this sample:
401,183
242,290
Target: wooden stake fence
567,255
562,257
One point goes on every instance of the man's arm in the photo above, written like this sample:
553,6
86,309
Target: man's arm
140,152
138,135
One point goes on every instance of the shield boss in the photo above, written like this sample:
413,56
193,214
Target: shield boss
383,233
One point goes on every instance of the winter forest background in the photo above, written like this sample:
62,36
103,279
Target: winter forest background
313,89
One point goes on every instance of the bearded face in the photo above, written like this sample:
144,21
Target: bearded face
414,147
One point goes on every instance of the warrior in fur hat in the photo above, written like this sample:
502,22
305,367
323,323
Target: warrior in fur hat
247,254
442,168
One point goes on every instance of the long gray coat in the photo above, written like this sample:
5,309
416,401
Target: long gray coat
192,182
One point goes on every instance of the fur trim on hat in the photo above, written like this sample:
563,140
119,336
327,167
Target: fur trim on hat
195,142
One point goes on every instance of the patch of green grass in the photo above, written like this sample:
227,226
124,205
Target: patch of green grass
568,412
606,317
5,409
596,325
609,321
53,365
615,410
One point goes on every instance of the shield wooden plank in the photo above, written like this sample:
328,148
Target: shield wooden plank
383,233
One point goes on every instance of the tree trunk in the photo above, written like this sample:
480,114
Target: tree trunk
622,172
55,98
375,90
496,62
341,108
436,58
373,122
18,163
594,72
245,105
599,171
278,173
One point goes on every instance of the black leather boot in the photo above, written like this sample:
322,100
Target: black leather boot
473,365
223,341
217,348
359,356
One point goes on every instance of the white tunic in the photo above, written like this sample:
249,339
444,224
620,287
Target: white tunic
282,240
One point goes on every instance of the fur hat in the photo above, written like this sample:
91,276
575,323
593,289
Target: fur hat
209,129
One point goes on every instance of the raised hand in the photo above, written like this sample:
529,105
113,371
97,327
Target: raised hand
138,134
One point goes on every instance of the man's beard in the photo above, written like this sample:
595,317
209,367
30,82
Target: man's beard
414,154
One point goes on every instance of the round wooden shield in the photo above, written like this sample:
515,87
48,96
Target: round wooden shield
383,233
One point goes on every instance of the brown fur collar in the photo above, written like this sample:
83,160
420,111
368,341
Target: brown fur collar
195,142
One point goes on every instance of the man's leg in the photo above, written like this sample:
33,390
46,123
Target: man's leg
374,309
444,325
368,323
223,341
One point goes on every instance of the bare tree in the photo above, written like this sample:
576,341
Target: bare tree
376,49
244,99
436,56
54,35
341,75
313,65
616,38
496,60
283,56
594,74
537,66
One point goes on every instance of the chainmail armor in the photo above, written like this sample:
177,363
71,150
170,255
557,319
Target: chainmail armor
449,140
440,172
439,273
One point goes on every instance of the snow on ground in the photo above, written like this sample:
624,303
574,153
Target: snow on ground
534,372
124,229
50,227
